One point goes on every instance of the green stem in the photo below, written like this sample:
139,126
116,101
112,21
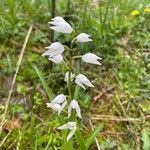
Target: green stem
70,69
69,78
75,57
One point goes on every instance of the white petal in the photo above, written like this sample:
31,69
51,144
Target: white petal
69,111
60,25
65,126
54,106
56,59
62,106
54,49
67,76
91,58
71,125
82,79
78,82
58,19
83,37
59,99
70,134
78,110
74,104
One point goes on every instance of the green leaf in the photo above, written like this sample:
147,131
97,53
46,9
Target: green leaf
67,145
79,137
146,140
92,135
46,87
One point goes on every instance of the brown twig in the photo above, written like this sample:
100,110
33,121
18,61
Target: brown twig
104,92
137,141
15,76
120,119
5,138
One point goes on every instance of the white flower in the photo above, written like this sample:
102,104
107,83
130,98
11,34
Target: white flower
82,80
60,25
67,76
54,49
58,19
56,59
71,126
58,103
91,58
74,105
83,37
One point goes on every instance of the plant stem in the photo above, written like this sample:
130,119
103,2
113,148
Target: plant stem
69,78
75,57
70,70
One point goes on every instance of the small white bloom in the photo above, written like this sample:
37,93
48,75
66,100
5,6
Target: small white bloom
83,37
60,25
56,59
58,103
74,105
58,19
54,49
82,80
71,126
91,58
67,76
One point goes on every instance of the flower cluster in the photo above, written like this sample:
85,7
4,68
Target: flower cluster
55,54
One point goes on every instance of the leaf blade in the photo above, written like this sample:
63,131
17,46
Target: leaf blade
46,87
92,135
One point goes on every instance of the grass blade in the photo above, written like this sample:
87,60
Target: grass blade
80,139
92,135
46,87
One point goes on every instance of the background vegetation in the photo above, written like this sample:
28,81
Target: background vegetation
121,99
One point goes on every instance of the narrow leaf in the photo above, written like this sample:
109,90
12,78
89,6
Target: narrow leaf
67,145
92,135
146,140
79,137
46,87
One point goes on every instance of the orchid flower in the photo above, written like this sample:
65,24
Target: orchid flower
67,76
55,54
82,80
71,126
74,105
83,37
60,25
54,49
58,19
56,59
58,103
91,58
